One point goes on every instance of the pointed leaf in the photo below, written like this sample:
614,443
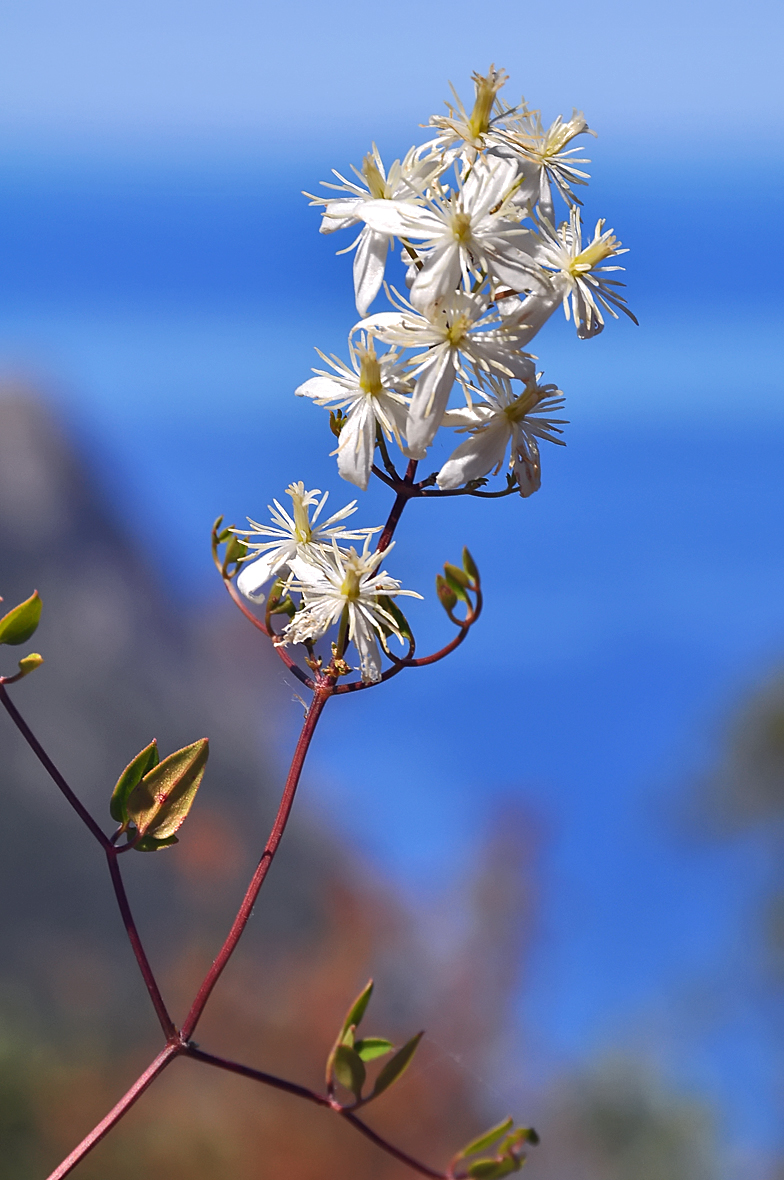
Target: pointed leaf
446,595
20,623
487,1139
458,575
369,1048
235,549
469,565
391,607
349,1069
454,584
131,777
357,1009
494,1169
161,801
396,1066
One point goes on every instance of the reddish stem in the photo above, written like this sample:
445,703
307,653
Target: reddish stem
320,698
52,770
284,655
166,1021
404,493
116,1113
320,1100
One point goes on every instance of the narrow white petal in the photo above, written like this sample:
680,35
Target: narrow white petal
255,574
439,276
356,445
429,402
369,262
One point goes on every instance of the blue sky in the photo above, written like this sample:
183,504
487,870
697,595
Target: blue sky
163,280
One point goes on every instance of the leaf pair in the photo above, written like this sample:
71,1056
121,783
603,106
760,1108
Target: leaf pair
507,1158
455,583
346,1062
156,796
17,626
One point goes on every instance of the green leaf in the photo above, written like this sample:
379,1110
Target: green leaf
131,777
487,1139
457,575
29,664
446,595
357,1009
397,1066
469,565
494,1169
161,801
20,623
349,1069
454,584
369,1048
150,844
391,607
278,600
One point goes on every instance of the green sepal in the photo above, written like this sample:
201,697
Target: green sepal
397,1066
278,600
150,844
446,595
28,664
390,606
21,622
348,1068
487,1139
160,802
457,575
235,550
369,1048
337,420
130,778
469,565
223,536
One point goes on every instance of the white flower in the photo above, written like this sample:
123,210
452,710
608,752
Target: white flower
469,234
471,133
292,537
545,158
456,330
577,275
372,390
405,181
503,418
337,586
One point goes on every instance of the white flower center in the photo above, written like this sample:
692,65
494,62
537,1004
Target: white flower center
350,587
369,371
373,178
461,226
302,529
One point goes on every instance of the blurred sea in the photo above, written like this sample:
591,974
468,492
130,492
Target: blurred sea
168,312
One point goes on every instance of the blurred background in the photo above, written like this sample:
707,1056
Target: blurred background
560,851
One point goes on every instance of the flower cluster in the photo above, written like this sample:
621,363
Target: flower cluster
333,585
473,211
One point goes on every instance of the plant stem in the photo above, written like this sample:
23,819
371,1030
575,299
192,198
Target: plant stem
116,1113
166,1021
267,1079
52,770
405,491
320,698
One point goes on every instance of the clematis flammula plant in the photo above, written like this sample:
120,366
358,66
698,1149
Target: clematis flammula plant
339,587
406,180
374,392
469,234
458,330
500,418
576,273
292,536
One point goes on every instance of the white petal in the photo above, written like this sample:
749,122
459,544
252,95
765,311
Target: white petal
387,217
369,262
357,444
439,276
480,453
429,401
364,639
321,389
255,574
